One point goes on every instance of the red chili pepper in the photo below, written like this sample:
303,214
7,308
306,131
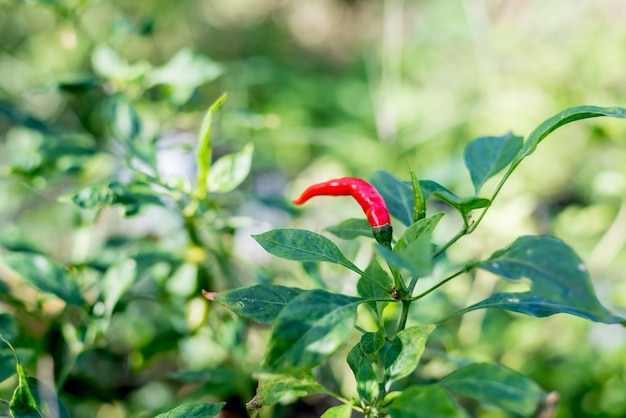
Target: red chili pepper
365,194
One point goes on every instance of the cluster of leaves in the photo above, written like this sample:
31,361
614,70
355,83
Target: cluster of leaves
308,326
95,291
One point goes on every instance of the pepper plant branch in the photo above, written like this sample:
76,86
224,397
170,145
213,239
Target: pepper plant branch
444,281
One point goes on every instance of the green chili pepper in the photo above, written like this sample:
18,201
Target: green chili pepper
419,210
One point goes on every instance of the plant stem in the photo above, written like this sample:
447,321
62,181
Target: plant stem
406,304
444,281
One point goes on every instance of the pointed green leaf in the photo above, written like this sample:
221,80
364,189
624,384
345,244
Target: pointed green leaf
363,369
351,229
416,257
425,226
309,330
540,307
184,72
463,205
425,401
398,196
204,151
560,280
116,281
194,410
124,121
375,284
132,197
403,354
47,400
261,303
282,388
339,411
44,274
419,209
487,156
23,404
302,245
230,170
8,365
562,118
496,385
372,342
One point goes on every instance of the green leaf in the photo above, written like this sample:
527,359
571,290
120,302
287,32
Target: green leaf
8,365
116,281
375,284
562,118
132,197
463,205
309,330
23,403
496,385
398,196
403,355
302,245
46,399
124,121
194,410
362,366
416,257
423,227
282,388
419,210
204,151
487,156
184,72
44,274
261,303
372,342
230,170
351,229
425,401
560,280
339,411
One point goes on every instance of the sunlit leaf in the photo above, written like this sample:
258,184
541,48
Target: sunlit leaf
184,72
496,385
562,118
303,245
261,303
339,411
204,151
230,171
403,355
425,401
194,410
44,274
487,156
309,330
416,257
285,388
116,281
422,227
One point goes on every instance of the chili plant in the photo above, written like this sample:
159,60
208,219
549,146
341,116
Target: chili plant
162,284
309,326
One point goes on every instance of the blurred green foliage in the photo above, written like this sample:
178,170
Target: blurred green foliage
322,89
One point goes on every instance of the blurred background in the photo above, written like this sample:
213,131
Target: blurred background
322,89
